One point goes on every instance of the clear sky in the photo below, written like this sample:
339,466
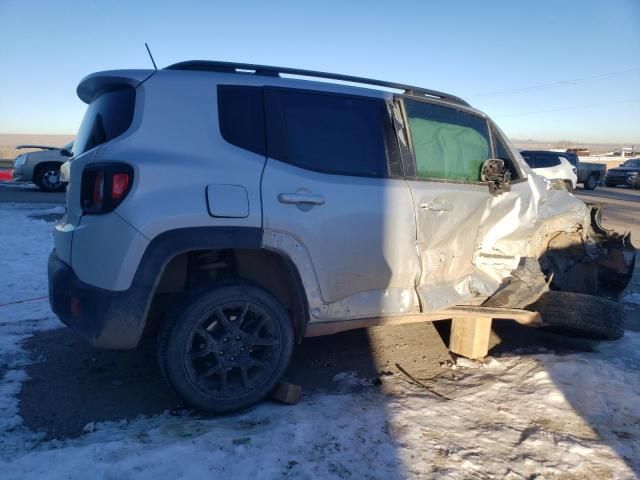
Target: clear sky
582,56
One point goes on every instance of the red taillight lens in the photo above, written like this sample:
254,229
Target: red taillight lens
105,186
119,185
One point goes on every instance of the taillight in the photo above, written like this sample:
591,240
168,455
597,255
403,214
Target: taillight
105,186
119,185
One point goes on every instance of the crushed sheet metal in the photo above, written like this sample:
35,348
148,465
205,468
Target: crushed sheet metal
508,232
514,225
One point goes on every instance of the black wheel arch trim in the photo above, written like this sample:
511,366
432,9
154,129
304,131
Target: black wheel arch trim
121,318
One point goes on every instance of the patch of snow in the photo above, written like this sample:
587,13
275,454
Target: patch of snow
487,362
351,379
57,210
632,298
519,416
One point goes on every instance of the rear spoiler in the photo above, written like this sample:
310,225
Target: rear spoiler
41,147
93,85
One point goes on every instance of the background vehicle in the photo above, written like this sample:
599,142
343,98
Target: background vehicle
627,174
552,165
291,208
589,174
41,167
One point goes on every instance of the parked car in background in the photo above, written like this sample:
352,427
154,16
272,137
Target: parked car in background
552,165
589,174
41,167
627,174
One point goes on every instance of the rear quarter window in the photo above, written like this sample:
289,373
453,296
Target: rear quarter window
572,158
528,158
544,160
241,117
107,117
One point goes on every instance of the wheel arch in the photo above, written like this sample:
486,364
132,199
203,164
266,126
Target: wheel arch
40,165
182,259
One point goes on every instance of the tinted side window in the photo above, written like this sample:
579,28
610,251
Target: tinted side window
545,160
502,151
329,133
447,143
571,157
241,117
529,159
107,117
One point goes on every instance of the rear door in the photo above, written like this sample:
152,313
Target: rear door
335,202
448,148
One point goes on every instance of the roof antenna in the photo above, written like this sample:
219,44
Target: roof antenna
151,56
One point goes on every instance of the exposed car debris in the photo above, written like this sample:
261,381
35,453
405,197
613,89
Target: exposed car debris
596,262
559,245
525,285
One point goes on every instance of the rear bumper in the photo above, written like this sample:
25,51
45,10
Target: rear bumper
117,318
105,318
19,176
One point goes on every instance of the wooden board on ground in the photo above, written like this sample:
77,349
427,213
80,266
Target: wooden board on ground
286,392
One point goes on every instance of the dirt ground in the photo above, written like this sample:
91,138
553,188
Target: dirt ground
71,384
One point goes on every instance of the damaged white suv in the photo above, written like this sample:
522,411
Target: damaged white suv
238,210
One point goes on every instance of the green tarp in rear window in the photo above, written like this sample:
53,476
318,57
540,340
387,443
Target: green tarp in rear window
448,143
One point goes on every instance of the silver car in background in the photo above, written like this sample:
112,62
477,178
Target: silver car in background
41,167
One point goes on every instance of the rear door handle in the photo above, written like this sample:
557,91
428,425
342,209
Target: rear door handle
296,198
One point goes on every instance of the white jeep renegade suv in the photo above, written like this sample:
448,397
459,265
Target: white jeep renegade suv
237,210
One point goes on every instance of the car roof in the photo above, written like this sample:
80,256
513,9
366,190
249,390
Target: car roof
272,71
261,75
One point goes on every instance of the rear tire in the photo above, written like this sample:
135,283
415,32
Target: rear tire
226,348
591,182
581,315
47,177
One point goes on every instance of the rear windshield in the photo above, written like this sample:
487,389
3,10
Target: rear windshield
107,117
633,163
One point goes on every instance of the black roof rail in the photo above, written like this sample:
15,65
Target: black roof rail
232,67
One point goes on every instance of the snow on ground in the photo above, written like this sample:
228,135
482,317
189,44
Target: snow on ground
632,298
569,416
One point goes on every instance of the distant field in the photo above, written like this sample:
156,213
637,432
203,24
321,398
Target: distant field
8,142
